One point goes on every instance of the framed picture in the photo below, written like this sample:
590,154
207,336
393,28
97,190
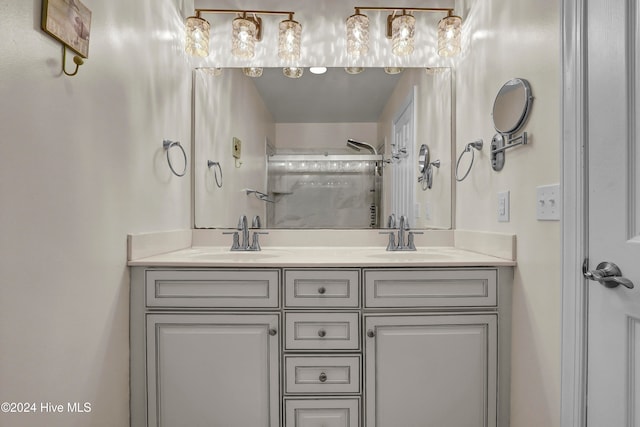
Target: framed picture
68,21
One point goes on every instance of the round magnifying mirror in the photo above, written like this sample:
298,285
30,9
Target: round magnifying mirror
511,106
423,158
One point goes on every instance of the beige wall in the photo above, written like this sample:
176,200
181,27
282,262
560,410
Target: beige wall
506,39
82,165
229,106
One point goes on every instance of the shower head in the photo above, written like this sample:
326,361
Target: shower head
357,145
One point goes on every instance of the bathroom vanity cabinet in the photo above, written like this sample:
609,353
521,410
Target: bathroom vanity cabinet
307,347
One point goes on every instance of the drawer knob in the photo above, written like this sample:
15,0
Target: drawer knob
322,333
370,333
322,377
272,332
322,290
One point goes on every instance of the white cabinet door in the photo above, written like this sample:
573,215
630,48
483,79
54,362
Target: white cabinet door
208,370
431,370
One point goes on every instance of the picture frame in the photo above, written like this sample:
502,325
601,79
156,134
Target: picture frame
68,21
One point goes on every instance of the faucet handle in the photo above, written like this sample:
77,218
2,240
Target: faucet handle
410,242
236,239
255,244
392,240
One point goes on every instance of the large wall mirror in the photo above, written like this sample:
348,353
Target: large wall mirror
279,147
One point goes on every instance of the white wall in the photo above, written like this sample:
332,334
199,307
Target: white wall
229,106
323,137
81,166
506,39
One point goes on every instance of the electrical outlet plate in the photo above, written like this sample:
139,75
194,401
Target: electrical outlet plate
548,202
236,148
503,206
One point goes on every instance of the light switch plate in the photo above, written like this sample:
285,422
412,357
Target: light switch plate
503,206
548,202
236,147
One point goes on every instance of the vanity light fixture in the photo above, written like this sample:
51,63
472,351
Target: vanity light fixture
246,31
293,72
393,70
354,70
252,71
400,28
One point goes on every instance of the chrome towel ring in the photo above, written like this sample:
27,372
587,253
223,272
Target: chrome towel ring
215,172
167,145
475,144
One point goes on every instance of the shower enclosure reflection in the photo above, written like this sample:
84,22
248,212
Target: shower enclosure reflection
316,146
318,191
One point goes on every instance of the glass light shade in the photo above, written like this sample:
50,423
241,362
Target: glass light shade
289,40
449,30
354,70
403,29
293,72
197,31
252,71
357,35
393,70
243,38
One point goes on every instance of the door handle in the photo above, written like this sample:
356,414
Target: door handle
607,273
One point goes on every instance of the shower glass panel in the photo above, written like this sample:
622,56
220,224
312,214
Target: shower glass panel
324,191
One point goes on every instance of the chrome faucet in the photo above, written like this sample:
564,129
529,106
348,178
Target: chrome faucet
403,227
244,244
244,227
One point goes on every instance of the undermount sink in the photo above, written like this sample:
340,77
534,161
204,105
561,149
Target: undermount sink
410,255
239,255
226,254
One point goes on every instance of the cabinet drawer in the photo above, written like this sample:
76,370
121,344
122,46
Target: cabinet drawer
322,412
322,331
430,288
321,288
212,288
326,374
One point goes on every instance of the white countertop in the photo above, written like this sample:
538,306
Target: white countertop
321,256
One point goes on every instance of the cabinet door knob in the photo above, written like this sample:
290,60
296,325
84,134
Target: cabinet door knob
272,332
322,377
322,333
370,333
322,290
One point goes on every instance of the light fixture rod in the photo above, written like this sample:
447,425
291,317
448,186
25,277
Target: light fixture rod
404,9
255,12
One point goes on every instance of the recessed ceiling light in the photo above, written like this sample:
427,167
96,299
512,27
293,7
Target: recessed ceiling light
318,70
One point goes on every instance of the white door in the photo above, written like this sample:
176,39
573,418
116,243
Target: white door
403,176
213,370
431,371
613,355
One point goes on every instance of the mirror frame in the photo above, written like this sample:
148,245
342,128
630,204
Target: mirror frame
525,108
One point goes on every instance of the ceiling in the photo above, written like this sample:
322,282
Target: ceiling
333,97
